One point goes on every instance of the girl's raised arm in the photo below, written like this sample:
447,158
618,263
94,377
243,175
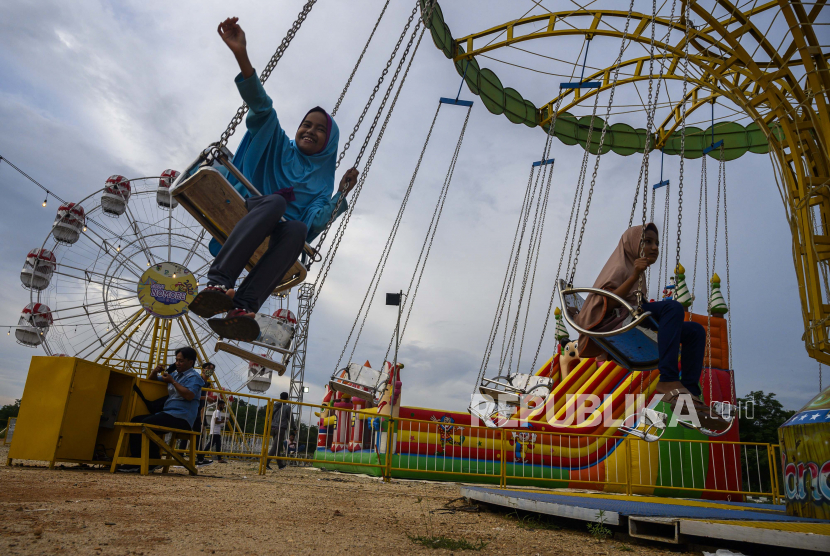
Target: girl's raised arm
234,37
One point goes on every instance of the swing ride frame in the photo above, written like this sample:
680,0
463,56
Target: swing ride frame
792,112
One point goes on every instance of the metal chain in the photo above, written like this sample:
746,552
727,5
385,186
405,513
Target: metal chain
683,138
384,257
431,231
571,220
580,184
327,262
728,293
491,339
359,60
651,108
357,125
601,143
535,266
703,187
530,251
263,76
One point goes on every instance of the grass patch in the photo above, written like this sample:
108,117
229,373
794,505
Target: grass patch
448,543
533,521
623,548
598,530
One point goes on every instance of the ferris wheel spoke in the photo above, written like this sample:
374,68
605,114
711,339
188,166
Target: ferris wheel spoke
86,305
90,313
201,268
88,272
142,241
118,255
82,353
87,279
193,248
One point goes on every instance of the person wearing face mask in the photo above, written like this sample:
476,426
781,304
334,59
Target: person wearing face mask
296,178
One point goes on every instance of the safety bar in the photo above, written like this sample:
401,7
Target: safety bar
564,290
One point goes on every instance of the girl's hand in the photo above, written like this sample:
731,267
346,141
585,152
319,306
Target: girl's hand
348,181
233,35
640,265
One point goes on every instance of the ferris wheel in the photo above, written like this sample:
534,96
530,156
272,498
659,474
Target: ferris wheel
112,280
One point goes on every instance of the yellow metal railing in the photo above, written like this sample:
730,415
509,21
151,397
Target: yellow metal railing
409,448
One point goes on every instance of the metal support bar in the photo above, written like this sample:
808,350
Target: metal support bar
455,101
661,184
586,85
543,162
712,147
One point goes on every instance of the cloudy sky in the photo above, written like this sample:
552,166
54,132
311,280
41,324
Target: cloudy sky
93,88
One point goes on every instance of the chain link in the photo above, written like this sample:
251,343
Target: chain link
368,138
410,301
341,230
683,138
601,143
732,392
359,60
263,77
381,266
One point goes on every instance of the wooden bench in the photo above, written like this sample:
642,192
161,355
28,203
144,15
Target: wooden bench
154,433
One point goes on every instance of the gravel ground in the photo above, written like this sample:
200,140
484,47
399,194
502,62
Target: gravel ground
230,509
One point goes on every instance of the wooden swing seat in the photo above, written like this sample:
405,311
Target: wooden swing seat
210,198
251,356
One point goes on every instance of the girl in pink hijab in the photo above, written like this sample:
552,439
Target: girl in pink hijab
624,275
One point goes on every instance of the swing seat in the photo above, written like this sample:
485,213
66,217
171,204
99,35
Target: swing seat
724,410
488,411
360,381
248,355
210,198
650,425
633,346
511,389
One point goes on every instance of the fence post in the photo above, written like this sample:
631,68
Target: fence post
266,433
628,471
773,471
387,470
503,464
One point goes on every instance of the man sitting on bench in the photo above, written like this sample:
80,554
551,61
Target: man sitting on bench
183,388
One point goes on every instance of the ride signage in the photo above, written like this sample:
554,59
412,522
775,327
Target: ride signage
166,290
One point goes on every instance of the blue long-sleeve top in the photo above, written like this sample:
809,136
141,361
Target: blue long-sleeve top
271,161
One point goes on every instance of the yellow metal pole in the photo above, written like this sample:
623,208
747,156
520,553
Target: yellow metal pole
266,433
389,439
151,358
118,335
773,469
628,471
165,343
503,464
194,338
126,336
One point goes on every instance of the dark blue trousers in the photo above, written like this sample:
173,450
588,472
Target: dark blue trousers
672,332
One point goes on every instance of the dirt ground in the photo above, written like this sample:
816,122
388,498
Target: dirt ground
230,509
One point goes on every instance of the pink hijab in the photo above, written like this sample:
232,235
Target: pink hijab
619,267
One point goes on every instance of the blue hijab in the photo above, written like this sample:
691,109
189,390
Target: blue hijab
272,161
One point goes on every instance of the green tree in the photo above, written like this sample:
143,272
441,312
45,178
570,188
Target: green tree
7,411
760,416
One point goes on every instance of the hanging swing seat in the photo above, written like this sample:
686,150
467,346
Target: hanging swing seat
210,198
360,381
239,351
489,412
724,410
511,389
632,346
650,425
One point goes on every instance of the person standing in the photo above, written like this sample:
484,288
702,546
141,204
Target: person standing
208,369
217,425
281,422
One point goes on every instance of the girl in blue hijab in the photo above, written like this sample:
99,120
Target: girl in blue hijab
296,178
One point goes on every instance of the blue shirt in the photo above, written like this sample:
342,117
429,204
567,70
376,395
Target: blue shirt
176,405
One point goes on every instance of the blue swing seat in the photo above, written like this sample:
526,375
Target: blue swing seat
633,346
